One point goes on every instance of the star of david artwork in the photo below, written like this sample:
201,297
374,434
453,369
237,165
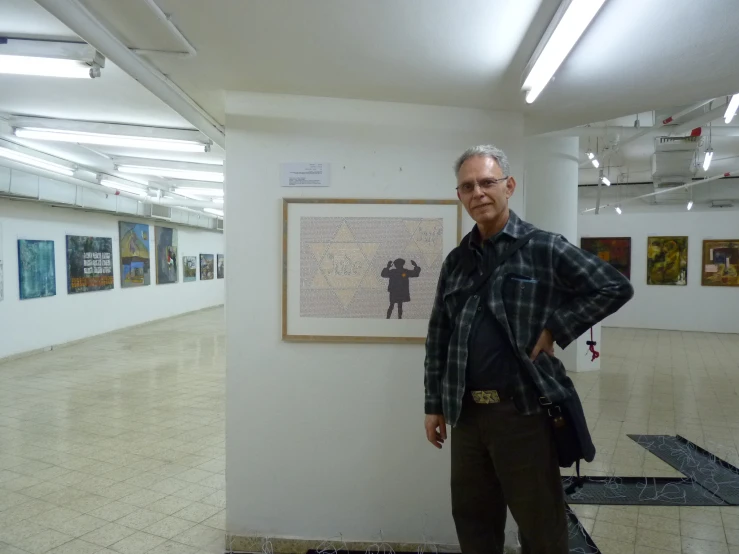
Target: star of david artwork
369,267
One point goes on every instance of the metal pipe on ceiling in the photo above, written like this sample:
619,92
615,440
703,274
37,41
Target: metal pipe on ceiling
664,191
80,20
166,19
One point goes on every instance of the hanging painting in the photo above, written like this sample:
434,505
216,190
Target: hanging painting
189,268
363,270
206,267
89,264
165,239
221,266
720,263
36,270
616,251
667,261
134,253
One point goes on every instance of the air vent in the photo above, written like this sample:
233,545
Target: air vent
672,161
161,212
219,224
722,204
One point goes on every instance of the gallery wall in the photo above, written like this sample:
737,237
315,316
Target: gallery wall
692,307
45,322
329,437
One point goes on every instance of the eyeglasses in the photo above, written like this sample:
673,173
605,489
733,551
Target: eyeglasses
485,184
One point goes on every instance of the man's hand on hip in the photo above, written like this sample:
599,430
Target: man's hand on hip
435,429
544,344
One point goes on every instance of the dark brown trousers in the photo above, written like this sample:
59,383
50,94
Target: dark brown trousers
502,458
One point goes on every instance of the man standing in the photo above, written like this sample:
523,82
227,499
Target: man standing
503,452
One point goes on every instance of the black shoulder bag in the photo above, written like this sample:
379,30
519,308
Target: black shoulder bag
571,435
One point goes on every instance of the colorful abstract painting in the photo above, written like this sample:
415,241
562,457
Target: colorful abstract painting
134,252
89,264
614,250
166,245
206,267
667,261
36,269
189,268
720,263
221,266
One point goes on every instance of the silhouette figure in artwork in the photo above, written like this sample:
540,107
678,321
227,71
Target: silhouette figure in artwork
398,285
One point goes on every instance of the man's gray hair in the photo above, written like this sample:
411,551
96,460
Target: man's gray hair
487,151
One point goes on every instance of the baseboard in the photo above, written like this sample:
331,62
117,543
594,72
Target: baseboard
245,543
27,353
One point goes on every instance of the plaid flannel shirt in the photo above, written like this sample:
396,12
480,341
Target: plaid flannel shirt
547,284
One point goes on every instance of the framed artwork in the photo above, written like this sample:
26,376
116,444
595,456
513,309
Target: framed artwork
720,263
206,266
221,266
614,250
36,270
89,264
363,270
165,239
667,261
134,253
189,268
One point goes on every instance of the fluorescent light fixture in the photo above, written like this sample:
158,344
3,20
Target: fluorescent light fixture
596,163
606,181
213,211
198,191
731,108
590,154
218,200
125,188
33,161
189,174
690,205
559,42
618,210
128,141
707,159
44,67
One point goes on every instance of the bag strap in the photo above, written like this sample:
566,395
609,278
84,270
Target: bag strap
480,280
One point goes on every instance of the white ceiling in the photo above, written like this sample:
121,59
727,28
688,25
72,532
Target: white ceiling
638,55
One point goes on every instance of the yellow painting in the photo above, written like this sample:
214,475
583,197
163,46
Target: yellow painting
720,263
667,261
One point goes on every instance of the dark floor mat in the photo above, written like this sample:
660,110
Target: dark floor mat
641,491
712,473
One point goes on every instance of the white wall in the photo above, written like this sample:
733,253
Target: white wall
689,308
42,322
323,438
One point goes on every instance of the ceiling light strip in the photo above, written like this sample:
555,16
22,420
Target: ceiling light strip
557,45
34,161
105,139
188,174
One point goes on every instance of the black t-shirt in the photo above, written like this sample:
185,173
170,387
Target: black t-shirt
490,356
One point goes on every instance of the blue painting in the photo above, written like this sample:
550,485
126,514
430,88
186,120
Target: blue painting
36,271
134,252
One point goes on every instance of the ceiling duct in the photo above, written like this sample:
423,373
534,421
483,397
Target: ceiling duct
672,161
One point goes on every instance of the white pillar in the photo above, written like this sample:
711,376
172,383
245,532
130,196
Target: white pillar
550,199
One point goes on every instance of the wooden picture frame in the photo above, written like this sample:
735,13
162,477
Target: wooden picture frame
344,272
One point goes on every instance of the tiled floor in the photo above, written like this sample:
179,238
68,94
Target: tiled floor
661,382
117,444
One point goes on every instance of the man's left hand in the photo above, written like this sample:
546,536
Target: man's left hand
544,344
